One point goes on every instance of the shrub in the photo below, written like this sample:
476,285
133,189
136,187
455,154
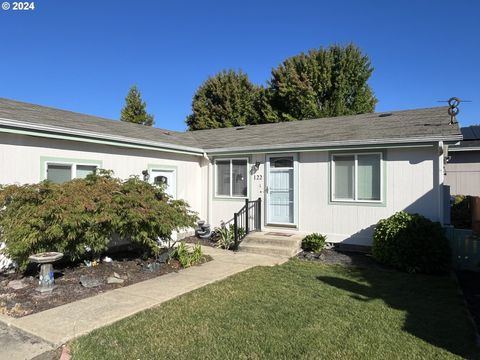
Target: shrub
80,216
412,243
461,215
226,236
314,242
187,258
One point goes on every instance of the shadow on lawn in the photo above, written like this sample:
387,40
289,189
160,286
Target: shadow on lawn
429,314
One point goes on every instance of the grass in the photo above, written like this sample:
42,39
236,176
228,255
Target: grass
300,310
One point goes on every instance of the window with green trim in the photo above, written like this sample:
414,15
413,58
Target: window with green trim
62,172
231,179
356,177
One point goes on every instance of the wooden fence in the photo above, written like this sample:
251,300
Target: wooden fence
465,248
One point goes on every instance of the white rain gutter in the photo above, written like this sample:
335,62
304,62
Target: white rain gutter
472,148
89,136
314,146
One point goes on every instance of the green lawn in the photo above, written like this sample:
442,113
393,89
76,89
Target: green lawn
297,310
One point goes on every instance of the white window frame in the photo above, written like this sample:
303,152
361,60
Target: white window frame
231,196
355,187
73,166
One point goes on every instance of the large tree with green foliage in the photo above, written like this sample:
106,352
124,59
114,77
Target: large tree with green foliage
134,110
224,100
322,83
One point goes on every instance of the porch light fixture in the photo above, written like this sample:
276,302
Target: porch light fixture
257,165
146,175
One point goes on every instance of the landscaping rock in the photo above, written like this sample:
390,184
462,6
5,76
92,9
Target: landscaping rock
114,280
17,284
5,262
89,282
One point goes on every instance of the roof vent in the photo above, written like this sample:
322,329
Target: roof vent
167,133
385,115
240,128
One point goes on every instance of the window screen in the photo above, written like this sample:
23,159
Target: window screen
84,170
368,177
223,177
239,177
59,173
344,177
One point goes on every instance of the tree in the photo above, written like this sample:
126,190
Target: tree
134,110
322,83
224,100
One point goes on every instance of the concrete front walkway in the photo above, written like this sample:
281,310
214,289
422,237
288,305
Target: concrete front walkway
63,323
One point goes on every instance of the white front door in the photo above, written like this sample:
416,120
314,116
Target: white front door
167,178
281,192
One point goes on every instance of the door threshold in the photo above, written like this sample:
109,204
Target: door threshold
281,226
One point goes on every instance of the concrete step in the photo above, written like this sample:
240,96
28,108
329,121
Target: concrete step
269,250
272,243
277,241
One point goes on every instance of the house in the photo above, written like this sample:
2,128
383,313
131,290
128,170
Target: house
337,176
463,166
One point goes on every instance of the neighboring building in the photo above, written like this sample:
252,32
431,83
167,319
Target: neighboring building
463,166
337,176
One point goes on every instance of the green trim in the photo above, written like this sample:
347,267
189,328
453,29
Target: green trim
311,149
96,141
214,197
383,203
162,167
70,161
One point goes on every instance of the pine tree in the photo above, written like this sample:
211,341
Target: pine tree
134,110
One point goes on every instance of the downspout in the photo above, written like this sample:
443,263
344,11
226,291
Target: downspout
209,190
441,195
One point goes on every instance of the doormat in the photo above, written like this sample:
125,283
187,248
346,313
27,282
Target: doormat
278,234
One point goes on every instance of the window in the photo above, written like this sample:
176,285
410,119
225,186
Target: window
60,173
357,177
231,177
84,170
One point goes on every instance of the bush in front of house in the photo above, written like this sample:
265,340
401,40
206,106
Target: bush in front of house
411,242
188,258
314,242
460,213
80,216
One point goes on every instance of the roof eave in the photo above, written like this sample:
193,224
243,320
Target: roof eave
88,134
295,146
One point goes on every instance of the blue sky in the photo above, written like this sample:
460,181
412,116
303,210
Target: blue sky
83,55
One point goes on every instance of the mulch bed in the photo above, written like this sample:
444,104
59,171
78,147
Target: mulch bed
341,257
25,301
203,242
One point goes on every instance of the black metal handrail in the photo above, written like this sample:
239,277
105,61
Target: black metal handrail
247,219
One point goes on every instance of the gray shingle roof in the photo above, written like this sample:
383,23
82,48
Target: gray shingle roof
420,123
42,115
364,128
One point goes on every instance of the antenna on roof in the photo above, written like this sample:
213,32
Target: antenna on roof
453,108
